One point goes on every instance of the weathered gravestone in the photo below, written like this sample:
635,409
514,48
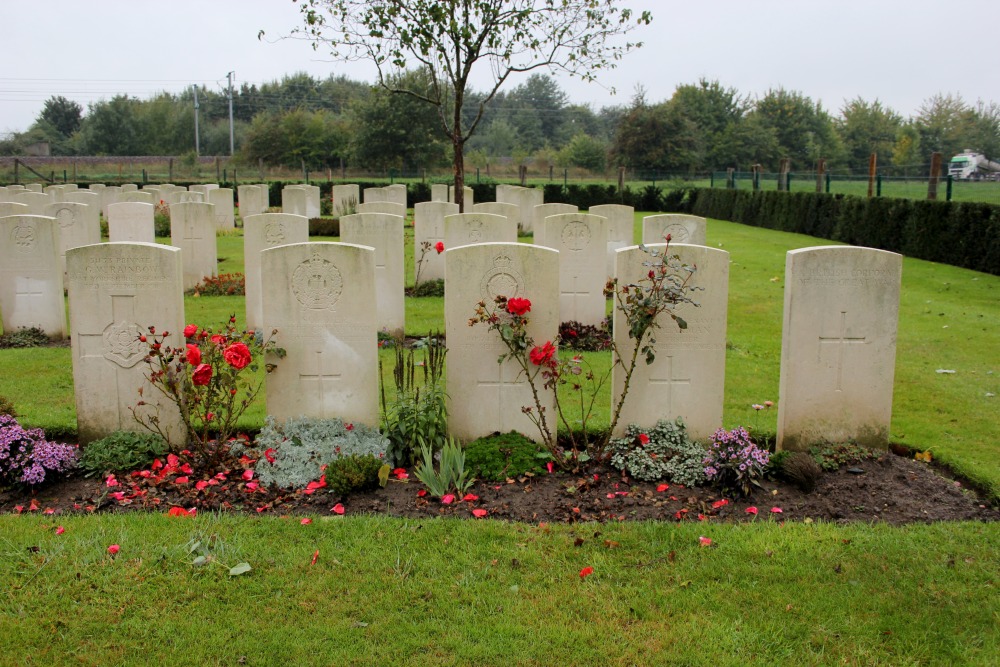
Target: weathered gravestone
260,232
192,229
91,199
391,193
222,199
688,229
318,297
109,195
838,346
31,277
131,222
468,228
484,396
129,187
251,200
439,192
293,200
581,240
345,199
116,292
543,211
510,211
79,224
384,233
312,200
620,228
137,196
428,227
525,198
390,207
687,377
35,201
13,208
468,195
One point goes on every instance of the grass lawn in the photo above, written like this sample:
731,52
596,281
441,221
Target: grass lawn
448,592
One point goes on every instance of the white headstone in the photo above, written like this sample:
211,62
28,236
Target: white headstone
345,199
485,396
260,232
79,224
131,222
509,211
428,226
91,199
687,377
688,229
312,201
109,195
394,193
838,346
392,208
129,187
468,194
192,229
13,208
34,187
31,277
468,228
620,228
525,198
251,200
137,195
318,296
116,292
439,192
35,201
581,240
384,233
543,211
222,199
293,200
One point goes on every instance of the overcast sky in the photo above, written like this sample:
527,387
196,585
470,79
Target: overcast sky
899,51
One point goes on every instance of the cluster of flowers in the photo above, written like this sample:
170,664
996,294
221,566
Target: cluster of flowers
733,460
235,354
26,456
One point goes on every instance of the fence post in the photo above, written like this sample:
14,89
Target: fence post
711,180
551,172
932,182
170,171
788,182
260,168
828,183
820,172
225,175
64,181
17,166
477,175
872,168
730,178
621,180
878,185
948,188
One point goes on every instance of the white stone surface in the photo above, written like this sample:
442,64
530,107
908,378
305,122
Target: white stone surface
468,228
688,229
92,199
392,193
838,346
543,211
428,226
384,233
117,291
13,208
293,200
251,200
468,194
525,198
345,199
137,196
621,221
484,396
131,222
390,207
510,211
222,199
192,229
260,232
318,297
581,240
79,224
31,277
439,192
687,377
35,201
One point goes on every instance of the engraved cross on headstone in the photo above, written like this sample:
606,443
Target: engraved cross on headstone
118,348
668,381
29,299
503,386
841,340
574,297
317,369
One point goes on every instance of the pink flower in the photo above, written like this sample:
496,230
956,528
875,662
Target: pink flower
518,306
201,485
470,498
247,475
237,355
719,503
400,473
111,481
768,404
421,493
548,466
269,454
439,246
114,549
190,331
751,510
181,480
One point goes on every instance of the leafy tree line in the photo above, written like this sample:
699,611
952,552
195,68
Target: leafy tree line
702,126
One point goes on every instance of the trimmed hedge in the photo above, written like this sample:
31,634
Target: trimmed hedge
964,234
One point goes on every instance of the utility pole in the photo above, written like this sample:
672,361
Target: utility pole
230,77
197,139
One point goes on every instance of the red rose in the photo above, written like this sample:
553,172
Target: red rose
202,375
237,355
190,330
218,339
439,246
517,306
543,356
193,354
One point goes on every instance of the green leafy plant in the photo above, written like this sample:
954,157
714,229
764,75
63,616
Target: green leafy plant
161,219
831,457
418,416
663,452
665,286
502,455
354,472
224,284
121,452
292,454
209,380
450,474
24,337
428,288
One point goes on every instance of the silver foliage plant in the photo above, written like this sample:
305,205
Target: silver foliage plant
669,454
292,454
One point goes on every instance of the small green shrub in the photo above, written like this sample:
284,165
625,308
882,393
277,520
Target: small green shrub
831,457
502,455
121,452
355,472
450,474
418,416
24,337
224,284
324,226
428,288
290,455
7,407
161,219
663,452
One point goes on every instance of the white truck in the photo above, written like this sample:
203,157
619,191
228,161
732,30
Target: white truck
971,166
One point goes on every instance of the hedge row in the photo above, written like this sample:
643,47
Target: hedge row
964,234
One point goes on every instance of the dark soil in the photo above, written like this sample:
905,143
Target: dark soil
890,489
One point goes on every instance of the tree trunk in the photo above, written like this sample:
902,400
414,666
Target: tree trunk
459,169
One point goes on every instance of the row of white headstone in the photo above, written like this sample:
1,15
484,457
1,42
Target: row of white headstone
838,347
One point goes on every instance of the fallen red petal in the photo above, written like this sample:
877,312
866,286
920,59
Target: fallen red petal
705,542
315,556
479,513
662,487
470,497
720,503
447,499
306,522
60,530
586,572
338,509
